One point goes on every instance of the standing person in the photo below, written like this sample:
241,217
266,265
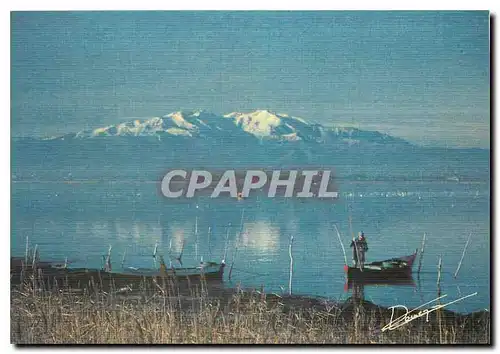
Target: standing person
362,247
355,251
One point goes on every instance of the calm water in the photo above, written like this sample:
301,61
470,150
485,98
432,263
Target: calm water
79,221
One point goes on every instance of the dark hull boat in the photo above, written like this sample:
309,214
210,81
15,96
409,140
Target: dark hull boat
392,270
207,270
51,273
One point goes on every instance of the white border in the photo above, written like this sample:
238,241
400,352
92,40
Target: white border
251,5
184,5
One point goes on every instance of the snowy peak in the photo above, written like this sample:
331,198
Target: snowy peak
176,123
260,124
266,124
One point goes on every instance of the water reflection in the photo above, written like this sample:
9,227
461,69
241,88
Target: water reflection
261,236
177,236
79,226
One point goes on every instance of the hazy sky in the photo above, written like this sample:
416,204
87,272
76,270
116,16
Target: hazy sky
423,76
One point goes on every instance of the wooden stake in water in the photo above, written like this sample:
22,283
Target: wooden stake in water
107,266
34,257
421,254
196,236
227,240
154,254
439,276
27,249
463,254
291,266
232,262
179,259
236,248
438,314
208,241
241,222
123,258
341,244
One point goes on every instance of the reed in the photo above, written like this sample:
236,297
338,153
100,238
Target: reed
46,314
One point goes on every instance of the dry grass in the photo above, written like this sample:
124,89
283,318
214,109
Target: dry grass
61,316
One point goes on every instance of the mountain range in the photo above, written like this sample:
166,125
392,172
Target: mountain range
145,149
260,124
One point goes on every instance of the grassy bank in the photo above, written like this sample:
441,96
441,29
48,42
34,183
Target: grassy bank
61,316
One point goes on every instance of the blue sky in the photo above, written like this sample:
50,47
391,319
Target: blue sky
423,76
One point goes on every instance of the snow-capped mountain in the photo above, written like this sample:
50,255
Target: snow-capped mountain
262,125
144,148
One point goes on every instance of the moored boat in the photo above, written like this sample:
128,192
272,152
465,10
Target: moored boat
80,277
383,271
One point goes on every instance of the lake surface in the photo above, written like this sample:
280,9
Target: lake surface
80,221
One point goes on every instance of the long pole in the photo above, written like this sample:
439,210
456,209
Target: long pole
179,259
196,238
421,254
154,254
123,258
439,275
209,249
27,250
463,254
34,257
341,244
232,262
107,265
241,222
291,266
227,240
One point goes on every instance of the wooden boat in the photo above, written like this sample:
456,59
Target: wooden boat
389,270
208,270
130,276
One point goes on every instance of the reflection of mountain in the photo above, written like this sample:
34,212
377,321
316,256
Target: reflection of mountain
260,235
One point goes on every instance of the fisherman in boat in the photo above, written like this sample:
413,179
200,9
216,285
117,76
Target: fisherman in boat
362,247
359,247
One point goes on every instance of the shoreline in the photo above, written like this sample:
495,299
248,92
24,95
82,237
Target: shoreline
205,312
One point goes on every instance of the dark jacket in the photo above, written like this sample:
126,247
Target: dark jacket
361,245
